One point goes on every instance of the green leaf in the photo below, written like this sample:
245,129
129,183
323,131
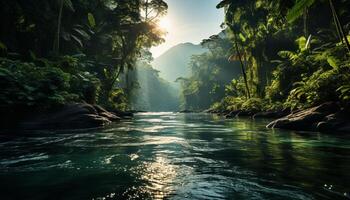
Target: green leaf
242,37
332,61
298,9
82,33
91,20
32,55
301,43
3,46
77,40
223,4
69,4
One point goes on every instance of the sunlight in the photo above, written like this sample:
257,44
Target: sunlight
164,23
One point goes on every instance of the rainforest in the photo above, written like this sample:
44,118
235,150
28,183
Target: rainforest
175,99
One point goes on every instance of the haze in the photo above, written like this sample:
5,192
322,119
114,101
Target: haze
190,21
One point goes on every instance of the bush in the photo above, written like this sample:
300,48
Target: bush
42,84
320,87
27,85
86,86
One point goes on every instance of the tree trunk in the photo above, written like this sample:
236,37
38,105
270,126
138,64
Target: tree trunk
56,45
305,19
242,67
339,26
146,11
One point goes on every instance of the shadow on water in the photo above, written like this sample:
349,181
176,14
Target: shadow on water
176,156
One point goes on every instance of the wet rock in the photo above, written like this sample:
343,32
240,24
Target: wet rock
272,114
214,111
339,122
104,113
123,114
246,113
72,116
319,118
186,111
232,114
240,113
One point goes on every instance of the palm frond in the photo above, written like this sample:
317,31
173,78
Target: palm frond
298,9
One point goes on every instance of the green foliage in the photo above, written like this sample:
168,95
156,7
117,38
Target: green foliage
321,86
91,20
86,44
210,72
298,9
235,88
28,85
281,74
344,92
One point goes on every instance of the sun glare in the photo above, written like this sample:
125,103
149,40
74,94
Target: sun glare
165,24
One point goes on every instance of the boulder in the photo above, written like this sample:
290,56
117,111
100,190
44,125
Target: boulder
123,114
325,117
339,122
72,116
213,111
232,114
104,113
246,113
240,113
186,111
272,114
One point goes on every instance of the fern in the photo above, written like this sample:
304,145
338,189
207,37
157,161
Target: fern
298,9
344,92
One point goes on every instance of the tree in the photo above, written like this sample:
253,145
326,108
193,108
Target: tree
302,5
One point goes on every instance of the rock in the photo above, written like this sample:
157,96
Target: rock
186,111
72,116
338,122
123,114
345,128
213,111
222,112
232,114
104,113
271,114
137,111
246,113
317,118
240,113
109,116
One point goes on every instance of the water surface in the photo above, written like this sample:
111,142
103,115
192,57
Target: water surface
175,156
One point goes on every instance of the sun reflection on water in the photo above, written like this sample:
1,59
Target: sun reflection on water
159,175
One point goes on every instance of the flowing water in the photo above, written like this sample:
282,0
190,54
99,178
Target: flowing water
176,156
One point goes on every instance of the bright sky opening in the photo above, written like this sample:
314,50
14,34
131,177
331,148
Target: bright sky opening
189,21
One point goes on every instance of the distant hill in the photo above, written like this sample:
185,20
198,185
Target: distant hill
174,63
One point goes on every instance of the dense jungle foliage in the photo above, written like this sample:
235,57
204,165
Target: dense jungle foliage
291,56
60,51
272,54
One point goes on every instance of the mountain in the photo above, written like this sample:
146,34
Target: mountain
153,93
173,63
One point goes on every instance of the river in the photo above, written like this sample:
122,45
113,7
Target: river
175,156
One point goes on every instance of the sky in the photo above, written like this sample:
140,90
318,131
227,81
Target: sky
189,21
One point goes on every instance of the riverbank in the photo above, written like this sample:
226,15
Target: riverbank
70,116
327,117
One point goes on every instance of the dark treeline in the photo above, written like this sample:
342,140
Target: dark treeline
61,51
292,54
